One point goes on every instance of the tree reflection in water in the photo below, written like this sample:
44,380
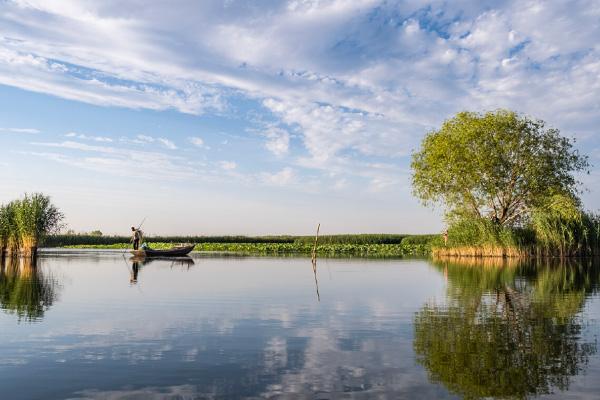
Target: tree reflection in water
24,289
507,331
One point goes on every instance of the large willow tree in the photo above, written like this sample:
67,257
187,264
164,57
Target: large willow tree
499,165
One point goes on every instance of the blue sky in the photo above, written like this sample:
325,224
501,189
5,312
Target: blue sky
261,117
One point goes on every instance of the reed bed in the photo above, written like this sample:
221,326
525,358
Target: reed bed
324,250
547,234
356,239
25,222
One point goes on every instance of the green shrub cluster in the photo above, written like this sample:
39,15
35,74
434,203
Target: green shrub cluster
25,222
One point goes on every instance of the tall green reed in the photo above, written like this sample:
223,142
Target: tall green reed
25,222
9,234
35,217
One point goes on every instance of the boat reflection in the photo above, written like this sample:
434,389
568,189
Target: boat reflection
24,289
138,262
507,331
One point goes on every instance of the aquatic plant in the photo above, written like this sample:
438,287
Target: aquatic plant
25,222
9,235
323,250
562,229
558,228
89,239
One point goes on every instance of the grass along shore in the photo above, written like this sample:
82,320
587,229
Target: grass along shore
323,250
546,235
371,245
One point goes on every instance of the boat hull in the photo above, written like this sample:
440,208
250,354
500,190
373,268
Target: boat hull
174,252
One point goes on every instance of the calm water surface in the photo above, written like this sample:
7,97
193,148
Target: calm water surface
96,325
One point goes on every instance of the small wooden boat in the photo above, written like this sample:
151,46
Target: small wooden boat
177,251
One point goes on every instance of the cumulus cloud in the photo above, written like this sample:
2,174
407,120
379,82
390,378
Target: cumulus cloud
278,141
350,80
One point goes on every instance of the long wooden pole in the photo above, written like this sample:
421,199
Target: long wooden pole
314,252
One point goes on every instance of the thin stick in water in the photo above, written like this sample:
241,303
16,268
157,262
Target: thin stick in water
314,252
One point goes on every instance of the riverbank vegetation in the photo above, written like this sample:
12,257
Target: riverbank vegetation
358,239
25,222
329,246
508,184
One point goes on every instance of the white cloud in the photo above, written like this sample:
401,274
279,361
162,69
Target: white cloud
118,161
278,141
351,80
142,139
281,178
20,130
228,165
197,141
88,137
167,143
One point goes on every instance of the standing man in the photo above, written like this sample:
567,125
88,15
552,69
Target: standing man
137,237
445,235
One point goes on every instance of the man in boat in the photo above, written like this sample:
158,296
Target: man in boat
136,238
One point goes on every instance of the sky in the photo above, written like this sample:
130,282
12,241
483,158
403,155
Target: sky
268,117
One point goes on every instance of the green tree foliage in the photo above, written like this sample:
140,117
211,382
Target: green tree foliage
498,165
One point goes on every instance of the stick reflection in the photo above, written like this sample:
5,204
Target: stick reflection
314,266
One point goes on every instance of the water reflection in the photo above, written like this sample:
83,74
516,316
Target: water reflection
24,289
314,267
135,269
507,331
138,262
251,328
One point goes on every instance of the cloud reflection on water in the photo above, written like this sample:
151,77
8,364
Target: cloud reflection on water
220,330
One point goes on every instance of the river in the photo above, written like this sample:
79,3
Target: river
99,325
